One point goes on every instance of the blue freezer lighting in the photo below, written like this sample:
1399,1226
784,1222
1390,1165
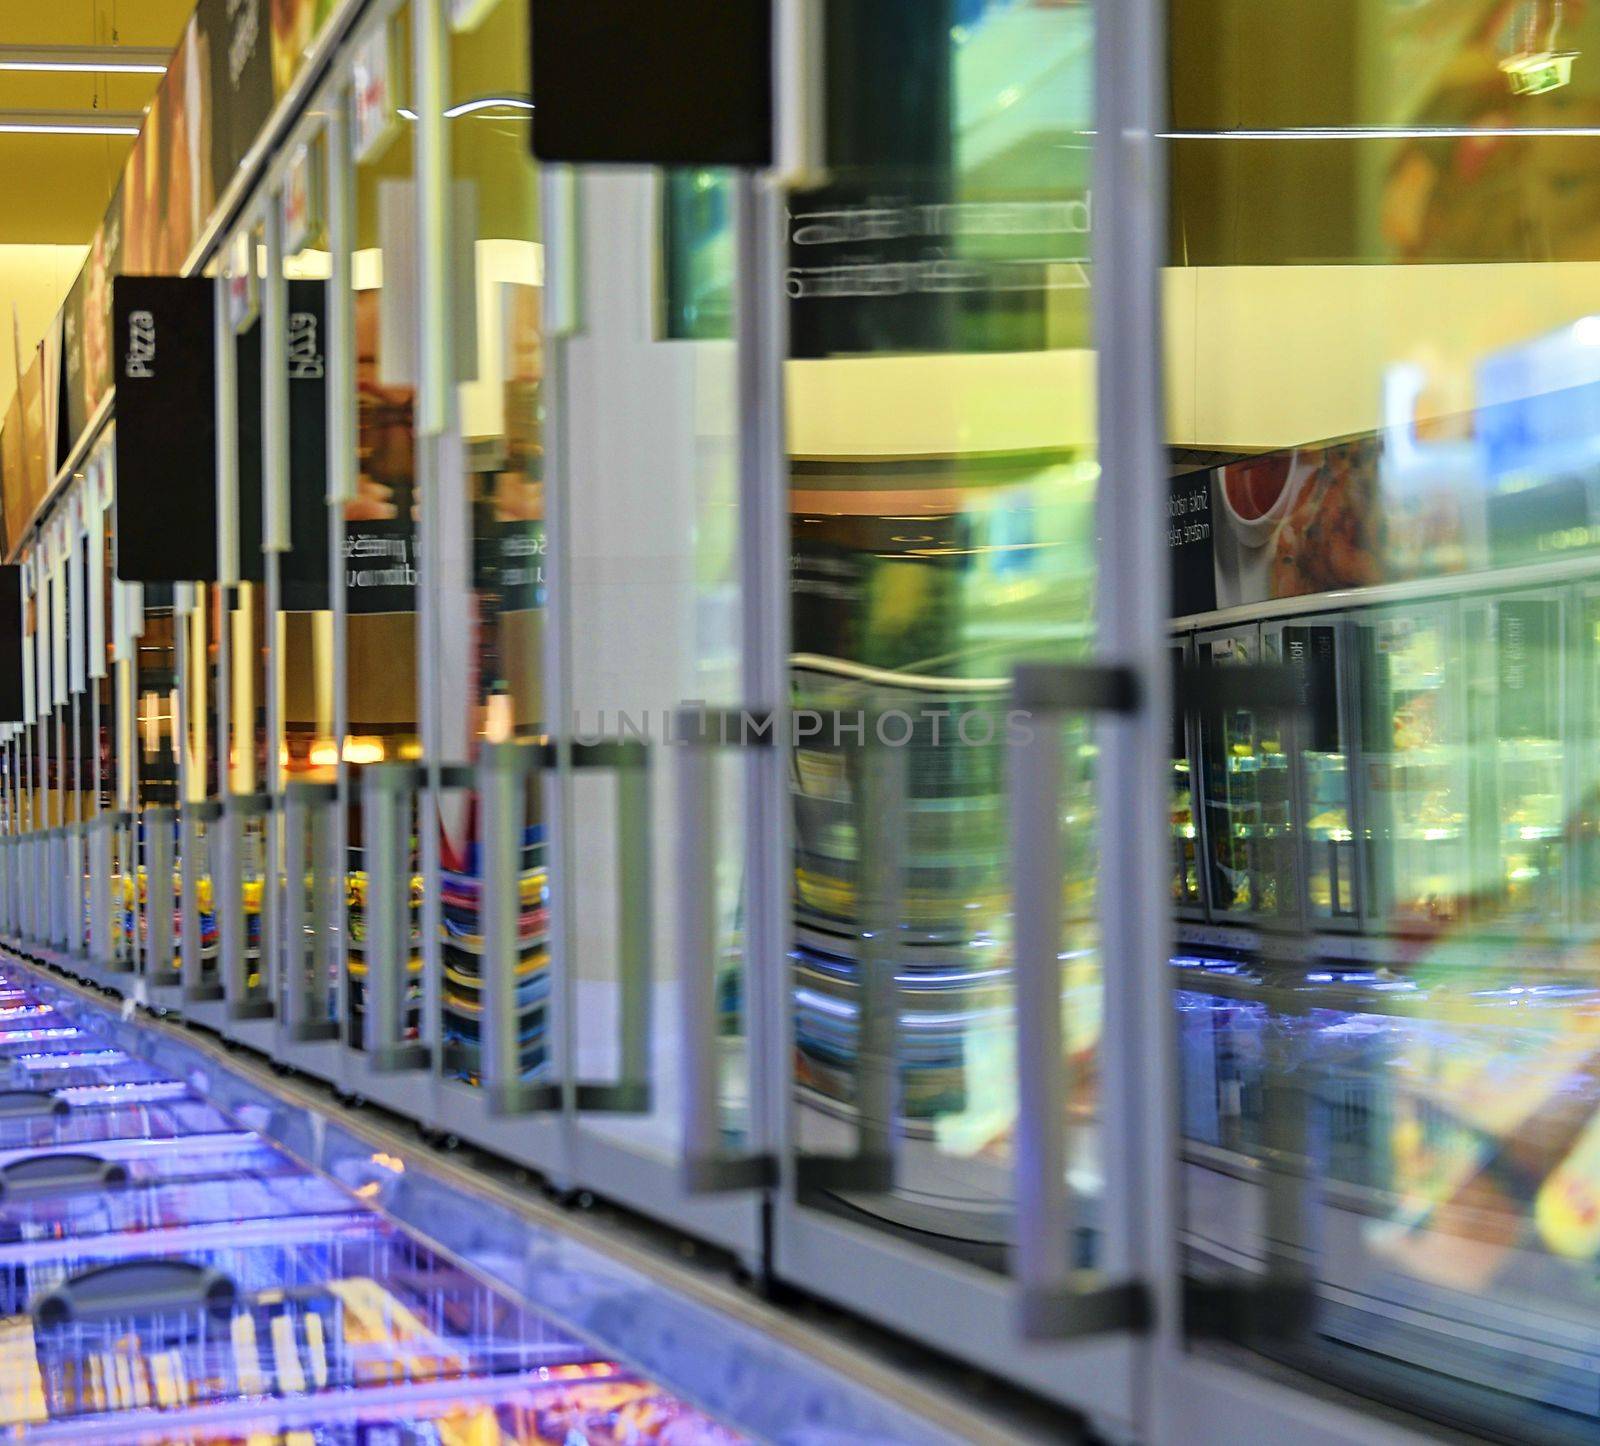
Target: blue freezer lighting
140,1093
35,1062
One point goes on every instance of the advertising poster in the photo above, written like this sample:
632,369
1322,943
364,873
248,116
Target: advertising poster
13,476
234,54
1279,525
1289,524
168,176
295,27
105,262
37,475
74,379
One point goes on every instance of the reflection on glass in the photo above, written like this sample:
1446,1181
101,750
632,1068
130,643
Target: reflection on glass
1186,884
380,523
943,480
305,621
1247,786
495,684
1394,465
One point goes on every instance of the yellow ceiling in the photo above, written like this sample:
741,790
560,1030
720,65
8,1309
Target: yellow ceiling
57,186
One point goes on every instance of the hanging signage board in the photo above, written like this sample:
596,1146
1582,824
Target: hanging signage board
13,704
305,565
301,188
166,495
685,85
244,286
374,86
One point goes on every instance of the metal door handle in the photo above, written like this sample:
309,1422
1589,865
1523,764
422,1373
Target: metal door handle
308,839
387,792
1052,1304
243,1002
628,759
199,835
504,772
708,1167
160,967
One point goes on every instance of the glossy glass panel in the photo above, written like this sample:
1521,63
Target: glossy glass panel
380,525
649,509
492,588
1381,372
943,473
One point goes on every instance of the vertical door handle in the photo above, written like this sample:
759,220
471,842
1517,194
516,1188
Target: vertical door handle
1052,1305
707,1164
387,793
505,772
310,872
243,1002
631,1092
160,962
199,822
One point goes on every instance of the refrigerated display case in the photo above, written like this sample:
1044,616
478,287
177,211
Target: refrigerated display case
1316,653
1414,783
1247,790
208,1292
118,1130
1188,876
1515,650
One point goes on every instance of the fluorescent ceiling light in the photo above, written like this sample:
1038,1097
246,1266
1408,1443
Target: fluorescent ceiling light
1384,133
9,129
472,107
69,122
123,59
489,102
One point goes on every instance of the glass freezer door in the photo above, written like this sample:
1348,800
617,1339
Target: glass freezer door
1517,710
1247,787
1414,772
1188,876
1316,653
1586,764
944,528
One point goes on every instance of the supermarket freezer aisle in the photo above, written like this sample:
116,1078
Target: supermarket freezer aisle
186,1258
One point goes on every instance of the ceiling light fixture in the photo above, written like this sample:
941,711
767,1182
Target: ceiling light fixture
122,59
69,122
473,107
1384,133
7,128
489,102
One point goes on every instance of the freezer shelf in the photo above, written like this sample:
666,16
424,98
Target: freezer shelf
597,1405
128,1209
139,1125
167,1276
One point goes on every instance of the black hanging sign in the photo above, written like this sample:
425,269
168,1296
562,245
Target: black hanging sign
163,355
1189,543
305,565
11,625
633,82
1312,654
